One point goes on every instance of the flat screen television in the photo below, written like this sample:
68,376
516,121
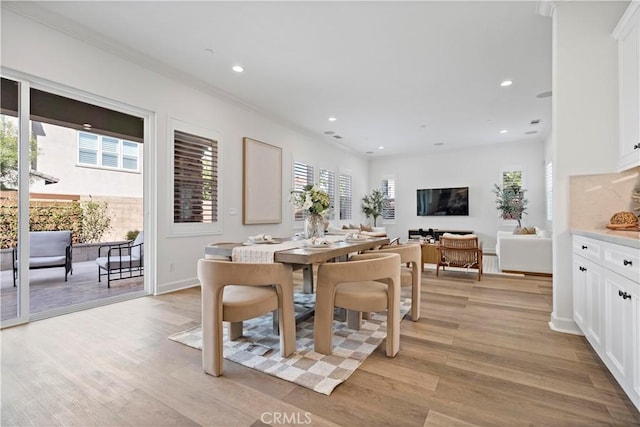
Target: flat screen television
443,201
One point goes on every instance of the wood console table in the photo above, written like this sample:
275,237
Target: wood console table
435,232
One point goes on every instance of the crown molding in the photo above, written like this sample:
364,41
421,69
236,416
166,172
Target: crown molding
546,7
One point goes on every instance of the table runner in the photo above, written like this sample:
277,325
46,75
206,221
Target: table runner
265,252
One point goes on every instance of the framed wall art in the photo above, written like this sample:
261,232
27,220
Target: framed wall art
261,183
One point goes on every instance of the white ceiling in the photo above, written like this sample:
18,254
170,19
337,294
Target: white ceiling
403,75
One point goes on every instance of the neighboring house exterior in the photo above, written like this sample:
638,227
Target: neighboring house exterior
97,167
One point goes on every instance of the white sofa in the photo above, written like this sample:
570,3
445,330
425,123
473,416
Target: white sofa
528,253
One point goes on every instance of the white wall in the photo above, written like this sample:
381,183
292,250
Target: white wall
28,47
58,155
479,169
585,117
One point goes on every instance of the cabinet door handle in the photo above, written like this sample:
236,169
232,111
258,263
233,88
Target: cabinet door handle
635,147
584,247
627,262
582,268
624,295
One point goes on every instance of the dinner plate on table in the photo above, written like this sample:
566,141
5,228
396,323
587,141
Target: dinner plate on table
260,242
308,245
356,239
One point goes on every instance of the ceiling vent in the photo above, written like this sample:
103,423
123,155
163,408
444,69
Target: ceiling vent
535,122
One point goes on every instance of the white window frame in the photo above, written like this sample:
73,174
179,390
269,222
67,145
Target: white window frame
349,212
99,153
193,229
548,187
386,218
331,190
512,168
299,216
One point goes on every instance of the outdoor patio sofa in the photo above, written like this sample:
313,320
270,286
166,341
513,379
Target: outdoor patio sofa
48,249
121,261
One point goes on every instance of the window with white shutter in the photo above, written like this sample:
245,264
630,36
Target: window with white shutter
548,181
195,178
327,182
389,192
344,190
302,175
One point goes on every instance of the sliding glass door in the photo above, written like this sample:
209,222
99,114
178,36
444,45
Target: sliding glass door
72,170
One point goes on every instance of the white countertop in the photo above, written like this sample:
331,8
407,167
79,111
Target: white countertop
625,238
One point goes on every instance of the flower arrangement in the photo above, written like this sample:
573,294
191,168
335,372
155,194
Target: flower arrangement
311,199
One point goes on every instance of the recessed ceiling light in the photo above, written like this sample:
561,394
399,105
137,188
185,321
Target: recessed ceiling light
209,50
329,132
546,94
438,143
423,126
368,152
504,131
87,125
381,148
332,119
530,132
237,69
506,83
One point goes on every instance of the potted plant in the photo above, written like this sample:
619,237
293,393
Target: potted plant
372,204
511,202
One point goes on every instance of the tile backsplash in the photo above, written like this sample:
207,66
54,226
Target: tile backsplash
593,199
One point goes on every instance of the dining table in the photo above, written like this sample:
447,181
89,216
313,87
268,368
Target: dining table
299,255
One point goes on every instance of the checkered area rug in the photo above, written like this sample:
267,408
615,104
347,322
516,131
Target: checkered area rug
259,349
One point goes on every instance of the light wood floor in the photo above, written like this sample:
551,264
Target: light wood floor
482,354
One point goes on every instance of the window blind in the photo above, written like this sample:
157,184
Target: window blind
344,188
195,179
327,182
302,175
389,192
548,180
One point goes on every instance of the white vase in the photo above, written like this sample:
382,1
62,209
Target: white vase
313,226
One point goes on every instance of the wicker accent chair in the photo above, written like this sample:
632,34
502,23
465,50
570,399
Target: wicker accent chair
369,282
410,272
235,291
459,251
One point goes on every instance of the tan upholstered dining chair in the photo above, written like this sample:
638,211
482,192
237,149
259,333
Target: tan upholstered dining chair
459,251
410,272
233,292
369,282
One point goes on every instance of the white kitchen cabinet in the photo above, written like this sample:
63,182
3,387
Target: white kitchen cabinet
627,33
620,309
587,299
606,296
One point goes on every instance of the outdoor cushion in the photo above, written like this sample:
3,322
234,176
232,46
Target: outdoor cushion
124,261
47,261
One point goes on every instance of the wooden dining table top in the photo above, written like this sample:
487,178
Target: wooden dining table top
306,256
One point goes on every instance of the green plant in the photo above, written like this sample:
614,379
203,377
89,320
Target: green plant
132,234
372,204
9,154
95,221
511,202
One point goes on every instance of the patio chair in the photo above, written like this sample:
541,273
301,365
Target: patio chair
121,261
47,249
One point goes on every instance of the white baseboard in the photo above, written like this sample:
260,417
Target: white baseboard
564,325
177,286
